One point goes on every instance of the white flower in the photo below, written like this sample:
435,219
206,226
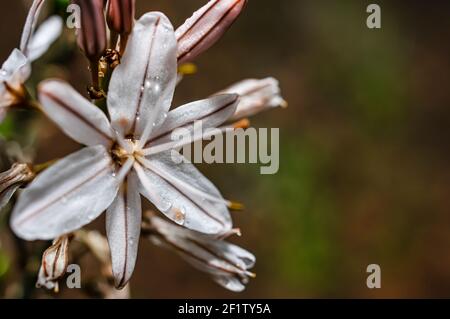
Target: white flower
256,96
228,264
17,68
114,169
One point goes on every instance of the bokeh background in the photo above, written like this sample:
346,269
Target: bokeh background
364,155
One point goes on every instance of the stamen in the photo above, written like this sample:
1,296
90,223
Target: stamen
123,143
236,206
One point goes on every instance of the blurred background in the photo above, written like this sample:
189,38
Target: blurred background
364,155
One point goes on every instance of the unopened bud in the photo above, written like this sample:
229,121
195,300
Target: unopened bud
92,34
206,27
120,15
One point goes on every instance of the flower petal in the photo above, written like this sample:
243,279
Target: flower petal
212,112
123,227
16,69
227,263
47,33
142,86
206,27
76,116
199,214
30,25
256,96
67,196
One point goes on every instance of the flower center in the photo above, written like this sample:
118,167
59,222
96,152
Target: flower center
121,153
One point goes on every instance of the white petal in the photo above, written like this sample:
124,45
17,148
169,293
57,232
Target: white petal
123,227
48,32
7,194
30,24
67,196
206,27
256,96
212,112
142,86
76,116
16,69
230,282
200,214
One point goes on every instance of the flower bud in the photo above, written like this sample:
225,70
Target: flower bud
92,34
206,27
120,15
54,264
255,96
11,180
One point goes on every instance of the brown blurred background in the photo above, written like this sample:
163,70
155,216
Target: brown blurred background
364,166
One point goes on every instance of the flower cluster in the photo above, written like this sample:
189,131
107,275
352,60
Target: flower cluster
136,67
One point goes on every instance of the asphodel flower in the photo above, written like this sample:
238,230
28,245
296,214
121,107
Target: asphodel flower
256,96
206,26
17,68
128,156
54,264
228,264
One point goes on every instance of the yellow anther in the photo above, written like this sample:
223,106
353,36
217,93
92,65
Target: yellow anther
236,206
187,69
244,123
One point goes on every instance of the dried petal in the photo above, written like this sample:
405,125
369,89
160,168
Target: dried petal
12,179
228,264
54,263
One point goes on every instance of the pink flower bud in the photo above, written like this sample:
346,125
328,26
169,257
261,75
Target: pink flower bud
92,35
206,27
120,15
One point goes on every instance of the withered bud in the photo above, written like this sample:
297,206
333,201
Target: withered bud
92,34
120,15
206,26
12,180
54,264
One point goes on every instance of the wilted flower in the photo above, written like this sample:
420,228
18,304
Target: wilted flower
228,264
17,68
12,180
54,264
206,27
256,96
92,33
115,167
